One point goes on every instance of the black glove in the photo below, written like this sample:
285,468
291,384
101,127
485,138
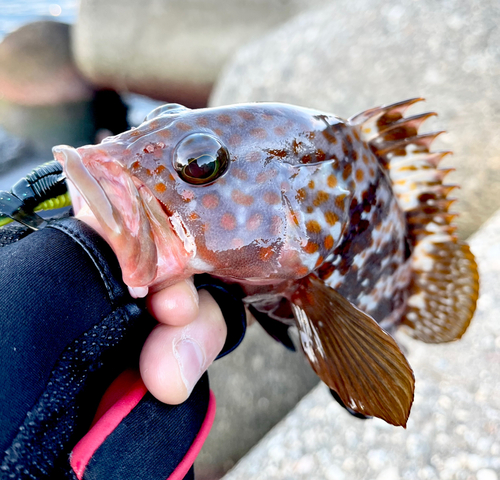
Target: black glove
68,328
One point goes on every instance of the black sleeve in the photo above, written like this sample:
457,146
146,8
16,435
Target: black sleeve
68,328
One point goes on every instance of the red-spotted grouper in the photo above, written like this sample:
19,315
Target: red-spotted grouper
341,227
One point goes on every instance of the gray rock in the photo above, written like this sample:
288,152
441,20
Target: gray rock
43,98
356,55
169,49
256,386
454,427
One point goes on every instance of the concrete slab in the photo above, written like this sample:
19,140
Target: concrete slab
454,427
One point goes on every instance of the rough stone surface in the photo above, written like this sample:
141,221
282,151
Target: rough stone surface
37,68
170,49
352,56
255,386
454,427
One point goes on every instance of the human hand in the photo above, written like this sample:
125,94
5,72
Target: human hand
191,332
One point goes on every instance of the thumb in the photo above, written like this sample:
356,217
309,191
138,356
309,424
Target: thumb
175,357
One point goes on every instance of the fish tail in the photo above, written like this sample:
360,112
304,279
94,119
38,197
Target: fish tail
445,282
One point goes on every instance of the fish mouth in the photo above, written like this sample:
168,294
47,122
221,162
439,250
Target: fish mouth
132,222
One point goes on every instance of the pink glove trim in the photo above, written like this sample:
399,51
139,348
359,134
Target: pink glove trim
182,469
109,420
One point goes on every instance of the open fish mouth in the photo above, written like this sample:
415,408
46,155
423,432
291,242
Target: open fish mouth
134,224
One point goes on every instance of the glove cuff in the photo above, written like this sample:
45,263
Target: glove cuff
152,440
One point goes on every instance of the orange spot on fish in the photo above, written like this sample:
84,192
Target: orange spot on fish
235,140
347,171
160,187
321,197
339,201
258,133
239,173
159,169
253,156
210,201
311,184
136,165
266,253
165,133
331,218
237,242
271,198
278,153
280,131
328,242
311,247
356,134
266,175
187,195
301,271
332,181
224,119
319,261
330,136
360,175
193,216
149,148
135,133
228,222
183,126
313,226
365,158
241,198
202,122
301,194
246,115
309,209
253,223
320,155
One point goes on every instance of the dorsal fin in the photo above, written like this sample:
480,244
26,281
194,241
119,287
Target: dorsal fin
445,283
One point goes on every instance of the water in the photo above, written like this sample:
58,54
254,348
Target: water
15,13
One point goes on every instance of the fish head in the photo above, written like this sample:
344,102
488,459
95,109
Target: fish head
223,191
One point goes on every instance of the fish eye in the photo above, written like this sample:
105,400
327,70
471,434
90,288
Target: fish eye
200,159
167,109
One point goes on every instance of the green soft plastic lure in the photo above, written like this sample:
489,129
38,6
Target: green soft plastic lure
44,188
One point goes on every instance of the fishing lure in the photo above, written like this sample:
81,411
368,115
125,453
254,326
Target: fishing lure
42,189
340,227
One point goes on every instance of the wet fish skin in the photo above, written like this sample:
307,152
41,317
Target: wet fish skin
339,226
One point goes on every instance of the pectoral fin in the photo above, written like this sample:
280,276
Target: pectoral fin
352,354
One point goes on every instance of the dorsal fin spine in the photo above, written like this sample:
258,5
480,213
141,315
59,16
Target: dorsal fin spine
443,267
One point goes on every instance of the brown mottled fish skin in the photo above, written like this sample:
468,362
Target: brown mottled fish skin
344,221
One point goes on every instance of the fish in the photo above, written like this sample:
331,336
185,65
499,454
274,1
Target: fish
341,228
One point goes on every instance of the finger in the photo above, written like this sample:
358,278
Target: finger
174,357
175,305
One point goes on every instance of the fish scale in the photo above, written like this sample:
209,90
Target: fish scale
340,227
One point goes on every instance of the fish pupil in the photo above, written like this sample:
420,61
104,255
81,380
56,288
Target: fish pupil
202,168
200,159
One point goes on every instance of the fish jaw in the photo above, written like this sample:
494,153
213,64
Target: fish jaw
148,247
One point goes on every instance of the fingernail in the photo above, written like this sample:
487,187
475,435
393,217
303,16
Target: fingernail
191,360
